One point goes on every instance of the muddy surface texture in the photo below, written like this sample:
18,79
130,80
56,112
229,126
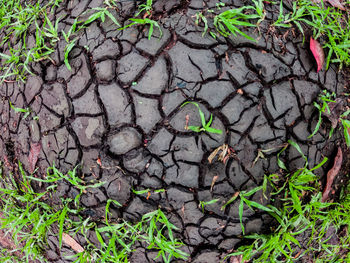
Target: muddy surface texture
120,104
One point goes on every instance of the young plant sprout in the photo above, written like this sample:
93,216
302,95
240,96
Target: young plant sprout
205,125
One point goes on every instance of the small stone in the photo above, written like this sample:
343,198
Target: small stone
105,70
124,141
136,160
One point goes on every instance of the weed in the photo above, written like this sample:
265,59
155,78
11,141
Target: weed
201,17
21,20
54,175
244,200
17,21
297,218
327,22
204,203
145,8
26,111
205,125
25,216
323,107
145,21
346,127
29,220
98,13
151,229
145,191
227,22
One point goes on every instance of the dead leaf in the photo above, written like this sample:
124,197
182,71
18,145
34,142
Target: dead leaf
332,174
336,3
99,162
33,156
214,153
226,153
236,259
215,178
187,118
68,240
318,53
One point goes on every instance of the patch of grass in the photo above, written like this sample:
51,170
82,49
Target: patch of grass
146,11
244,200
29,219
346,127
147,8
301,216
230,22
324,98
144,21
227,23
154,229
18,19
205,125
22,20
326,22
97,13
26,111
26,217
323,109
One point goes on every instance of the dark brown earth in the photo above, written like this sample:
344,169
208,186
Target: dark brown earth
120,104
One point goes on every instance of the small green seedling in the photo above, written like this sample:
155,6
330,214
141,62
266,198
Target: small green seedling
324,108
346,127
26,111
145,7
204,203
244,200
145,21
205,125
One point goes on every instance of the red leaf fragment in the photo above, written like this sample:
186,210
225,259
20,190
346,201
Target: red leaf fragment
332,173
33,155
318,53
336,3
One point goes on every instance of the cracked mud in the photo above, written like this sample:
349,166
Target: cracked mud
121,104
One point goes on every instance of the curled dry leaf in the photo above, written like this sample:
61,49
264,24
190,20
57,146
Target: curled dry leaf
215,178
336,3
33,156
332,174
226,153
236,259
318,53
68,240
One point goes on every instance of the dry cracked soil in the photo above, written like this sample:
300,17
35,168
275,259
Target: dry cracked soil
120,104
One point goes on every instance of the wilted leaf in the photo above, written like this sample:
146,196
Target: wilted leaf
33,156
68,240
318,53
215,152
236,259
215,178
336,3
332,174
